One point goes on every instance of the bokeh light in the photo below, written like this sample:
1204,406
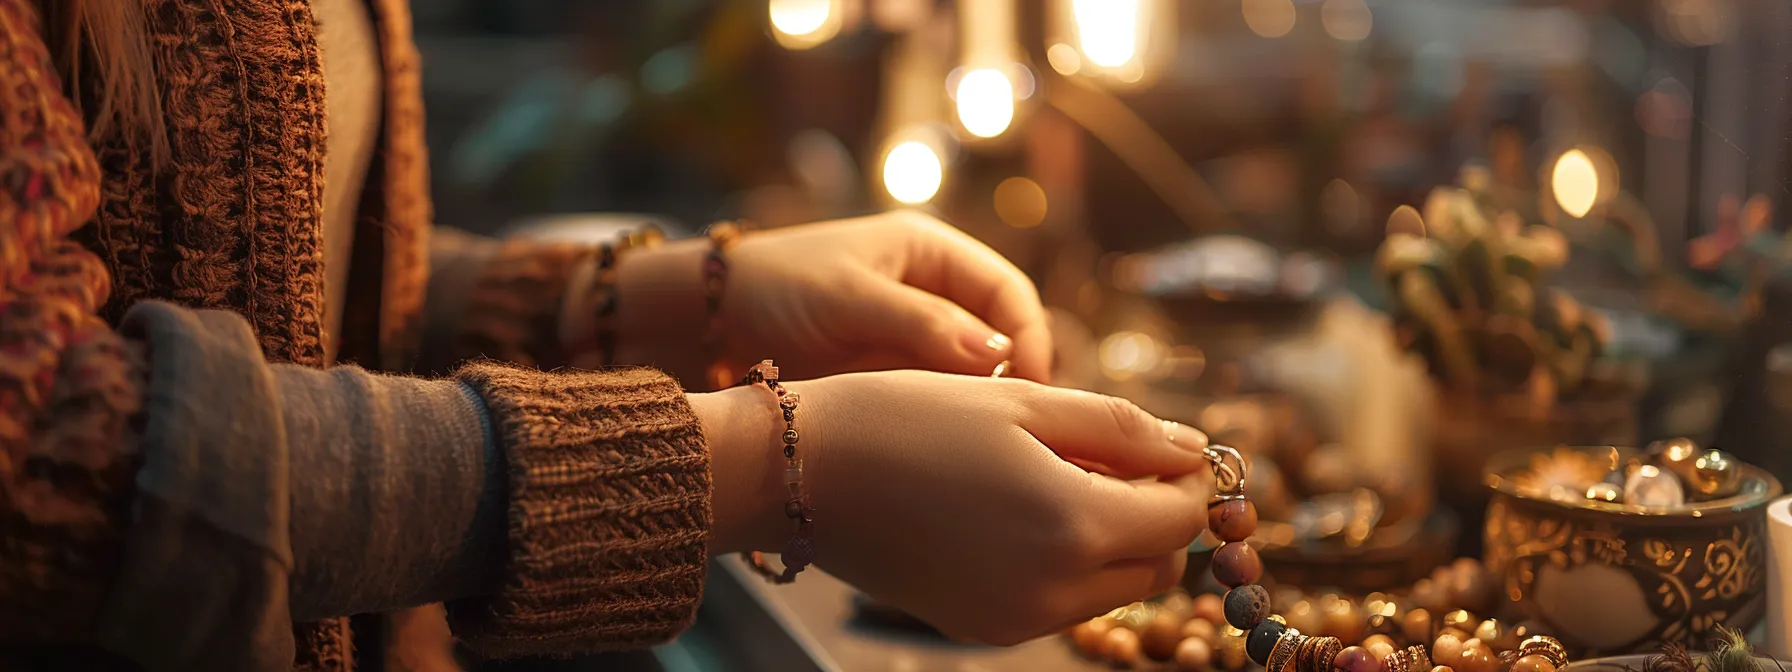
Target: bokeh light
1064,59
1020,202
913,172
801,24
1269,18
1575,182
985,102
1348,20
1126,354
1108,30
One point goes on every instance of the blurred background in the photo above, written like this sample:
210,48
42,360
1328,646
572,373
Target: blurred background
1202,190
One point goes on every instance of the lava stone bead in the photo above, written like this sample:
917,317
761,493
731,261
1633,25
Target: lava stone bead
1232,519
1236,564
1355,659
1246,606
1262,640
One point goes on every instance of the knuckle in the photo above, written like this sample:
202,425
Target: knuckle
1131,423
1169,573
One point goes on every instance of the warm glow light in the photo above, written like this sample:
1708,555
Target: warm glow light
1109,30
1348,20
1575,182
913,172
1020,202
1129,353
1064,59
800,24
1269,18
985,102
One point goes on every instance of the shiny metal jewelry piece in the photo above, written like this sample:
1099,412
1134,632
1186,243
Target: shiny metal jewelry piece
1283,652
1229,471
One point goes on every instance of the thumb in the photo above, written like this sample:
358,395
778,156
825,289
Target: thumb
916,329
1092,429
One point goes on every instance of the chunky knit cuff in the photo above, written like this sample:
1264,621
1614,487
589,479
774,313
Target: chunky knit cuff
609,512
512,311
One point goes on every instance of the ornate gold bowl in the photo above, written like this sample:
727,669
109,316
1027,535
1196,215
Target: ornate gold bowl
1610,578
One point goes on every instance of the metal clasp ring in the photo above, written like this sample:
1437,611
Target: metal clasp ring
1229,471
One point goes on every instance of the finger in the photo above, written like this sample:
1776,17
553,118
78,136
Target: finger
924,331
1112,432
953,265
1121,583
1143,520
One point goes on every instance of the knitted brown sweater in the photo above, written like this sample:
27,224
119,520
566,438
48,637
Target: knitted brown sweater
608,486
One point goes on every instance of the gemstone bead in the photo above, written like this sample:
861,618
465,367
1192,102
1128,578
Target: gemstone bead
1533,663
1232,519
1246,606
1236,564
1262,640
1355,659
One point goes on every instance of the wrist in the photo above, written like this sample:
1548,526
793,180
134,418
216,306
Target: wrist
660,313
742,426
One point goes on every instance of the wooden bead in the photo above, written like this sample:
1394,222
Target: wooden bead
1303,616
1380,646
1497,635
1246,606
1416,626
1161,636
1122,647
1209,607
1342,619
1476,656
1196,627
1236,564
1194,655
1356,659
1442,668
1232,519
1460,619
1090,635
1533,663
1447,650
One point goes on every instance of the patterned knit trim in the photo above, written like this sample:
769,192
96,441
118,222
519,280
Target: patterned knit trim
397,190
609,512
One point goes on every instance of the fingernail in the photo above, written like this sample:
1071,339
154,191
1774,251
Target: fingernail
999,343
1185,437
1001,370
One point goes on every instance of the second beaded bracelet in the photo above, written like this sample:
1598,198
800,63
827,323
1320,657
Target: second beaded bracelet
799,550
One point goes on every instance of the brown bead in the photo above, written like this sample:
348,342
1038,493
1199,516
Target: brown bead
1342,619
1427,595
1194,655
1090,635
1496,635
1211,608
1380,646
1447,650
1471,585
1443,668
1205,630
1179,603
1477,657
1355,659
1232,519
1460,619
1303,616
1533,663
1122,647
1161,635
1416,626
1236,564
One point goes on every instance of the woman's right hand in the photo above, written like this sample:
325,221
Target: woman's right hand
961,500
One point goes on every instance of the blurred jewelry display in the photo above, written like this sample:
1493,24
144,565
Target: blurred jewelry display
1667,475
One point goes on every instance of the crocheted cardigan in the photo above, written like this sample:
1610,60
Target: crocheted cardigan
607,473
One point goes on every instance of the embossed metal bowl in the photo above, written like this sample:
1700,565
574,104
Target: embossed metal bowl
1611,578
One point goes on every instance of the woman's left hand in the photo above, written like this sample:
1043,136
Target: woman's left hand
900,290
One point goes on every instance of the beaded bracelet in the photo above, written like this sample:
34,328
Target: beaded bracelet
1268,640
799,550
605,292
722,237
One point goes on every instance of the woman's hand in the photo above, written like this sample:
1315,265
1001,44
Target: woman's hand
891,291
960,499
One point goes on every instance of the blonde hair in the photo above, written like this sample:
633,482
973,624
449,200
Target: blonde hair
102,50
